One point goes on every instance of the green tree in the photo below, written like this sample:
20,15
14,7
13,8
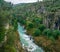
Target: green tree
2,33
56,34
41,27
14,24
9,49
47,32
30,25
37,32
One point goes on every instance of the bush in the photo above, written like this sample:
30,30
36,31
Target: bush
2,33
23,22
47,32
42,27
51,34
30,25
37,32
10,49
38,20
56,34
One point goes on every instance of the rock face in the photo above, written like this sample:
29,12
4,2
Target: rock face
7,26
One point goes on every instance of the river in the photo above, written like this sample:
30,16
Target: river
26,42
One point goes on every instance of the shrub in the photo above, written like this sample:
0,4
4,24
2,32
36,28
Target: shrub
42,27
2,33
10,49
29,25
56,34
47,32
51,34
37,32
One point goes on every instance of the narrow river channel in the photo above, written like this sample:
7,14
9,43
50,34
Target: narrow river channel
26,42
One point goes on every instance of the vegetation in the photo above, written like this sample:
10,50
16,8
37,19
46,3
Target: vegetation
41,19
8,29
37,32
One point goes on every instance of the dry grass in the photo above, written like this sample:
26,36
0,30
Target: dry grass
48,45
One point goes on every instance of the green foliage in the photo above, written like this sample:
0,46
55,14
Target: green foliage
56,34
9,49
2,33
23,22
21,19
29,25
37,20
14,23
11,37
47,32
41,27
5,18
52,34
42,15
37,32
